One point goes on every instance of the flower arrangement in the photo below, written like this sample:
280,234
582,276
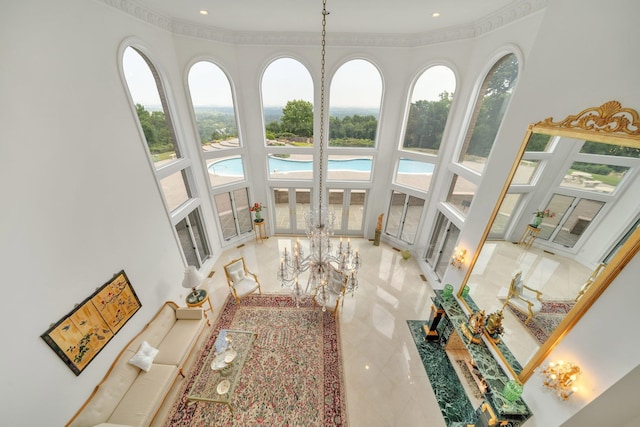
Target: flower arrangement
544,214
257,207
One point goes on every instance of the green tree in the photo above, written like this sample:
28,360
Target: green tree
426,122
297,118
497,91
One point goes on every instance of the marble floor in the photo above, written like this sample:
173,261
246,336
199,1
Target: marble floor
386,383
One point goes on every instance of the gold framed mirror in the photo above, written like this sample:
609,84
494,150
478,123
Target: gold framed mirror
565,224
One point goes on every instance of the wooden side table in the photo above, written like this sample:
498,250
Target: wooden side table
529,236
259,229
198,299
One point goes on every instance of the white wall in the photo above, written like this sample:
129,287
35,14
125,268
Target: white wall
80,201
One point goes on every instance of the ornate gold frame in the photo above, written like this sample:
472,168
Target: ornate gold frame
609,123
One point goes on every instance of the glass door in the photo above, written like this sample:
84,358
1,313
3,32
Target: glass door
403,216
442,244
348,207
234,216
570,218
290,206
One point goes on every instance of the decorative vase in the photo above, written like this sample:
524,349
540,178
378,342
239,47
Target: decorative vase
537,220
258,216
512,391
448,291
465,291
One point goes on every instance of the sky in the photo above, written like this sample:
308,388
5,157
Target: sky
357,83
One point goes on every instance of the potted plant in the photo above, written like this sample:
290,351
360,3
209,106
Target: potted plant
256,208
540,215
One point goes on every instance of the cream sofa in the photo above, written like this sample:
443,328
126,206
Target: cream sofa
129,396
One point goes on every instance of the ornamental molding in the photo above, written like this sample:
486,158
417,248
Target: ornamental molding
516,10
609,118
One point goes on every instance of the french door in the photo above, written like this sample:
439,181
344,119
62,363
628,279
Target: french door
289,208
348,207
234,217
403,216
571,218
442,244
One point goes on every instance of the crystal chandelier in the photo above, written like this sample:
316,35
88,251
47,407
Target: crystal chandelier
323,263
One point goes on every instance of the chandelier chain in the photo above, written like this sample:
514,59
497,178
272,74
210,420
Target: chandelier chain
322,97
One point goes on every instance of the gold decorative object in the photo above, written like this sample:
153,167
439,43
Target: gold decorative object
610,117
379,225
477,322
457,259
494,325
560,377
473,329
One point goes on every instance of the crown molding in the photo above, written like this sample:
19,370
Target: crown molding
507,15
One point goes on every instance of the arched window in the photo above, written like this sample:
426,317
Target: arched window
355,98
213,107
214,110
430,103
489,110
287,103
172,169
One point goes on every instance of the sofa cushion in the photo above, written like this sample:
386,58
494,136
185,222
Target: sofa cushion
109,393
188,313
174,347
141,402
144,357
159,326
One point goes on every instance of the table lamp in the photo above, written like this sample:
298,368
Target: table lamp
192,279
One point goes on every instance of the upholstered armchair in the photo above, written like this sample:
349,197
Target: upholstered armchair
523,298
334,292
241,281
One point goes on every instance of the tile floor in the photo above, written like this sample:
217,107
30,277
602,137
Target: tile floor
386,384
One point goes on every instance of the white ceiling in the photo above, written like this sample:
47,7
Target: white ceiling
346,16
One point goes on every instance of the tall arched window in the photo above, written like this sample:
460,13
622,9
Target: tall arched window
430,103
214,110
172,169
355,98
489,110
213,107
287,103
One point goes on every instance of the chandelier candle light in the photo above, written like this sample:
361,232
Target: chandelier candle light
323,263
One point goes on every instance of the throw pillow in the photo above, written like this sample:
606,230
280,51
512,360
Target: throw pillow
143,359
237,275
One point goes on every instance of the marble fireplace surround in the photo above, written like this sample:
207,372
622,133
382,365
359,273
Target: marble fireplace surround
455,406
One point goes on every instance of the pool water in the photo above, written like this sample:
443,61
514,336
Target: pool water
233,166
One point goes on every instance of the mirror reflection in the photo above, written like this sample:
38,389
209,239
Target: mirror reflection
568,207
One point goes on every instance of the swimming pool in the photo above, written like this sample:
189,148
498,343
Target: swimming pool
233,166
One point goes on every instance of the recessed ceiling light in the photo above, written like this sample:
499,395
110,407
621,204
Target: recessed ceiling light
204,12
435,14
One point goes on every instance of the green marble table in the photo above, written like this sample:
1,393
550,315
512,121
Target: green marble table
488,366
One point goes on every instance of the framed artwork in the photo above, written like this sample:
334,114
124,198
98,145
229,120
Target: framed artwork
80,335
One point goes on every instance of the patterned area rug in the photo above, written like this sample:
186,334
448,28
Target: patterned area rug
293,375
547,320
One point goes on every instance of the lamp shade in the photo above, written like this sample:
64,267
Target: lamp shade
192,278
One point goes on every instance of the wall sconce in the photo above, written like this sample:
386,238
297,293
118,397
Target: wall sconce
457,259
560,376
